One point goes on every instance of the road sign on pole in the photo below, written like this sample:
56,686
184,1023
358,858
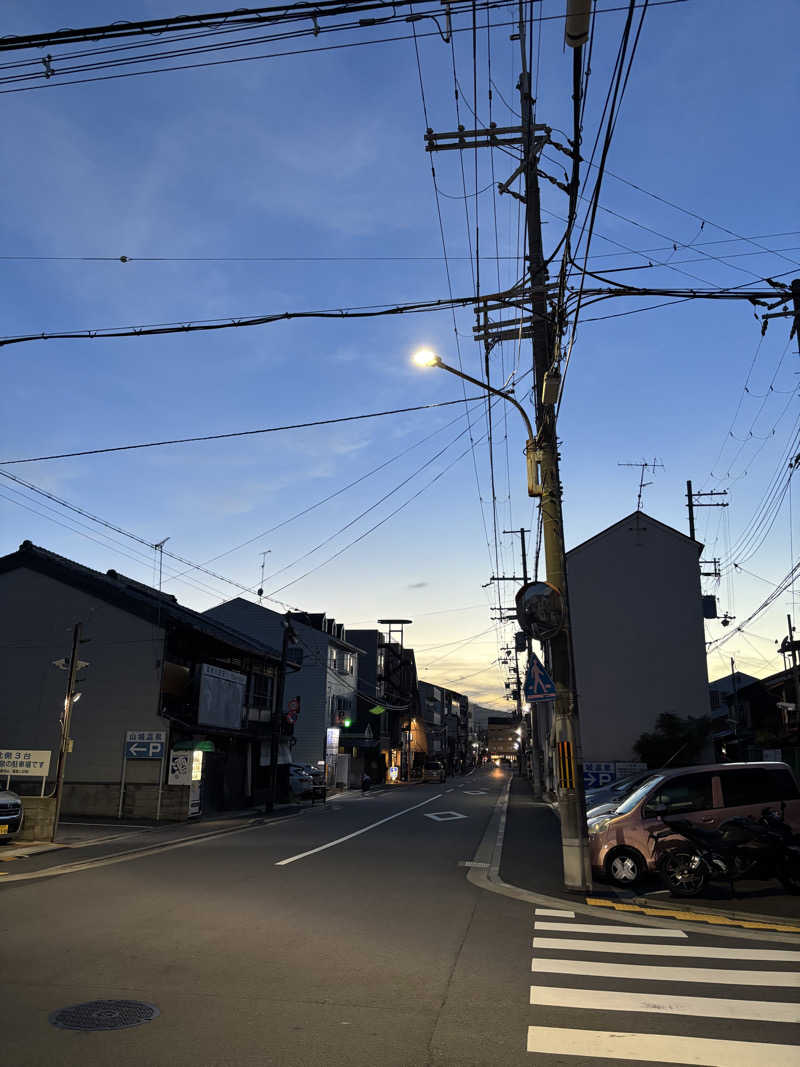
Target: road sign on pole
145,744
538,683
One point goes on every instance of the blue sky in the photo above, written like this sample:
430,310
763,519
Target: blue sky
322,155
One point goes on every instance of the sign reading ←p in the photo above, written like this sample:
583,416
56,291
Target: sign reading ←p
145,744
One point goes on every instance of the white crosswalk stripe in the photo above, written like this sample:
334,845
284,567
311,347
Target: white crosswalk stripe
579,994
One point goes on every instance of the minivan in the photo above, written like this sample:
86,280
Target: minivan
433,771
620,844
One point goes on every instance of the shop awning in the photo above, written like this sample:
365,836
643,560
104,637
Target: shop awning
195,746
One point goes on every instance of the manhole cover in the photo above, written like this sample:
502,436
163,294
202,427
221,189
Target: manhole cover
104,1015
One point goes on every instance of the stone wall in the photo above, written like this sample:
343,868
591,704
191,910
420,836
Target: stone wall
140,801
37,824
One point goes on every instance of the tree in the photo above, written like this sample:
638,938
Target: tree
673,739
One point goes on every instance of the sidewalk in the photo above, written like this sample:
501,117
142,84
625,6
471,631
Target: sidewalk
532,860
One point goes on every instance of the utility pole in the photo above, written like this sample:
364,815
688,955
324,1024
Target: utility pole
793,647
276,722
533,319
66,718
693,501
536,764
570,792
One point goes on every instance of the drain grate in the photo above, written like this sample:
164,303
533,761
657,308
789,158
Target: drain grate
104,1015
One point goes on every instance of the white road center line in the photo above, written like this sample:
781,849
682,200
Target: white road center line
635,973
357,833
630,948
658,1048
702,1007
555,913
615,931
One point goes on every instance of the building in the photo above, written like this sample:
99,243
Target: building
637,633
320,697
178,680
756,718
503,737
448,726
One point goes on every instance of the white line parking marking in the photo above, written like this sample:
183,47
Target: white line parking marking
657,1048
555,913
703,1007
615,931
635,948
356,833
768,979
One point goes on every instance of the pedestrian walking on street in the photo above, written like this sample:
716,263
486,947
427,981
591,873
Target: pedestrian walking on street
366,782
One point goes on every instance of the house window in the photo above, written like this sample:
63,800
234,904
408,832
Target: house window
260,697
342,662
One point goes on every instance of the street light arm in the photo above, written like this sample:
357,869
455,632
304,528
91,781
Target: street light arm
490,389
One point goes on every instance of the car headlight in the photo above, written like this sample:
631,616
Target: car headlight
599,826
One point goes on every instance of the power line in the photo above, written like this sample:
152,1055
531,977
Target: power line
230,322
238,433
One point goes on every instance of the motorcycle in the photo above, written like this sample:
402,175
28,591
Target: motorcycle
741,848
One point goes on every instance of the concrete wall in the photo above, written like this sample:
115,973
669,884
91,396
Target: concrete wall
121,686
37,822
637,633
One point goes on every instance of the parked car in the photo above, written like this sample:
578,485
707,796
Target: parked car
433,771
608,797
621,844
11,814
300,781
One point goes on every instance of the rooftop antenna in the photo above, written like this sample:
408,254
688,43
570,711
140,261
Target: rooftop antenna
644,466
261,583
159,547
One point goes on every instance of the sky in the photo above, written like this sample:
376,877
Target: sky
301,182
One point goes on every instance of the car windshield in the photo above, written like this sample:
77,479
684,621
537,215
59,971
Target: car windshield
629,803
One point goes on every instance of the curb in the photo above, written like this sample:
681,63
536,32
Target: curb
711,914
486,875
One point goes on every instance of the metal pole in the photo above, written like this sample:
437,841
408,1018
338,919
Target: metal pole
160,781
64,747
122,781
690,505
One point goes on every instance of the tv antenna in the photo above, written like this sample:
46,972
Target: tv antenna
644,466
261,583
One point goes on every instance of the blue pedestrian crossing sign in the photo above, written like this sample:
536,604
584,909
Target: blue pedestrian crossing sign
538,683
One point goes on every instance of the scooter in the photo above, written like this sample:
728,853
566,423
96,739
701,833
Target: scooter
740,848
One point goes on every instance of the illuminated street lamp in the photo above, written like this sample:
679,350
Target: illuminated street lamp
426,357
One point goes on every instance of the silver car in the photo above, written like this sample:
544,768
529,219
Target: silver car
11,814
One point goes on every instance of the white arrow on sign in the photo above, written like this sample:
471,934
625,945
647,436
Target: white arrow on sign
137,750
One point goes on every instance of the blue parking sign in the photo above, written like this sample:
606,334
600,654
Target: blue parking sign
598,774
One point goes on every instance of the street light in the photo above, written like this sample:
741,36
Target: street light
541,455
426,357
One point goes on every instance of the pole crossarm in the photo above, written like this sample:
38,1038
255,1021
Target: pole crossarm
491,136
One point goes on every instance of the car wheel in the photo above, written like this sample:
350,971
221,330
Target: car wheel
624,867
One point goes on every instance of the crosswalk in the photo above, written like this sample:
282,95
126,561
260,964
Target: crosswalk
604,991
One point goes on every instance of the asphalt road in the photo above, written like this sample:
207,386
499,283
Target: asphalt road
351,935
